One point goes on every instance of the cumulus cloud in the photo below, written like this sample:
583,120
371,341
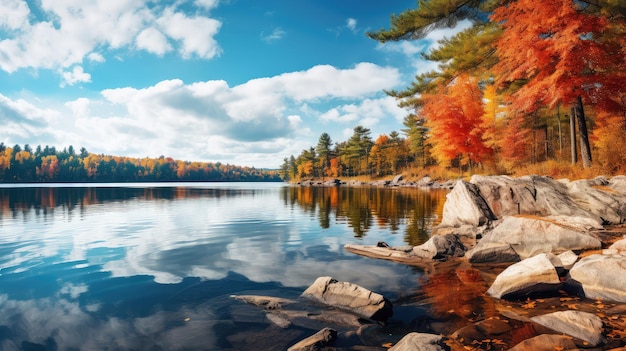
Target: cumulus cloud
153,41
65,32
255,123
76,75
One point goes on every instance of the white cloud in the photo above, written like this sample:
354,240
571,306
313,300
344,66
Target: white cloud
96,57
351,24
13,14
366,112
206,4
76,75
195,34
153,41
255,123
275,35
71,30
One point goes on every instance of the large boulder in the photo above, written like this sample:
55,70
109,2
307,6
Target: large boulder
582,325
350,297
601,277
464,205
535,274
419,342
533,195
530,236
597,197
317,341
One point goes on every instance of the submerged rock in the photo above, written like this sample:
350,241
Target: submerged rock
316,341
535,274
582,325
350,297
545,342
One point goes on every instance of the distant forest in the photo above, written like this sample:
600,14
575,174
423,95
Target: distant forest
24,165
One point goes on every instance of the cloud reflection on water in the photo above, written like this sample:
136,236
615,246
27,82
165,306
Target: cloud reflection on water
88,269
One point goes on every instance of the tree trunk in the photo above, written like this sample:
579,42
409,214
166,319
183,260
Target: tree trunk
572,134
585,148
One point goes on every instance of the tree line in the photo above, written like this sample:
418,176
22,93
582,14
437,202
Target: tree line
23,164
527,83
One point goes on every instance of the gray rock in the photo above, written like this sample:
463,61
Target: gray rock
440,246
419,342
545,342
567,260
601,277
486,252
396,179
582,325
533,195
464,205
535,274
316,341
349,297
279,320
618,183
532,236
595,196
618,248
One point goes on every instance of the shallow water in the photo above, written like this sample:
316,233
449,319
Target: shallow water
153,266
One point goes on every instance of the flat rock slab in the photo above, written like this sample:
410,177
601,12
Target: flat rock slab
601,277
349,297
545,342
419,342
529,236
316,341
582,325
535,274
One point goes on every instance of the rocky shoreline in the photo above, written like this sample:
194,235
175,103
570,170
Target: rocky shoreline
397,181
514,245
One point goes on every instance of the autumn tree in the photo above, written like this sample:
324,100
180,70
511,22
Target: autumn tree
454,117
554,49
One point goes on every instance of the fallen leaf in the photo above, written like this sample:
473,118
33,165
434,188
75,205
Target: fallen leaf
529,305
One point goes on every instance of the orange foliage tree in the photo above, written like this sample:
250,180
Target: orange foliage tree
553,49
454,117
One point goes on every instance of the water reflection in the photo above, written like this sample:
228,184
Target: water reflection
151,267
363,207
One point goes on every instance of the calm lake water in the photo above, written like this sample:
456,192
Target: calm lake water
153,266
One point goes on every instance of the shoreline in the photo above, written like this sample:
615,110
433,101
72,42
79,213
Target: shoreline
482,288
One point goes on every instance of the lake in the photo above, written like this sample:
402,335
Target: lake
153,266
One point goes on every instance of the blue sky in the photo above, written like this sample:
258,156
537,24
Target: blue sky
244,82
